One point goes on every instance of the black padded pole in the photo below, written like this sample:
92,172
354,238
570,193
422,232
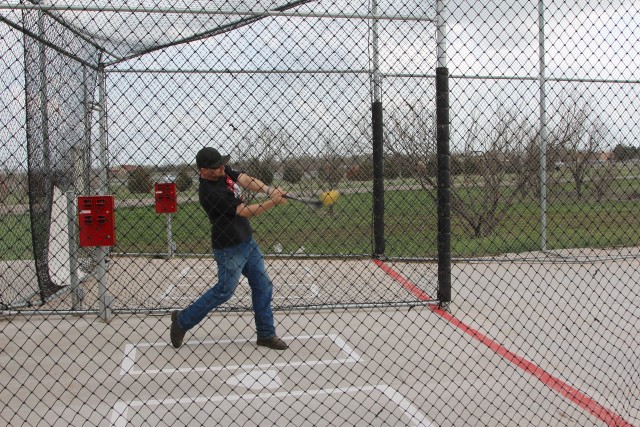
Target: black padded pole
444,186
378,180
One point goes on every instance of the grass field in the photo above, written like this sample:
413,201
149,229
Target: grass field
346,228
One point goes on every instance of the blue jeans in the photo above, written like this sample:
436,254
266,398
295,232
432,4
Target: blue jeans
246,259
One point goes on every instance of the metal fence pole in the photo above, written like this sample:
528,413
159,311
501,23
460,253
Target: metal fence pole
171,245
77,295
543,130
105,299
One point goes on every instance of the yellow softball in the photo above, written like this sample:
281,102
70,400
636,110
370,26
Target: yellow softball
329,197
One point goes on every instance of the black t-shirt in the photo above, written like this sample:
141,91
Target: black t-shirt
219,199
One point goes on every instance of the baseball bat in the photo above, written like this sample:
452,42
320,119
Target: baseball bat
311,202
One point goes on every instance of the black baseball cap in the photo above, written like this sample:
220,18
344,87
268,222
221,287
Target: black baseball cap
209,157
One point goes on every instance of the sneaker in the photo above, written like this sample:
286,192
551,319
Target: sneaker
176,333
273,342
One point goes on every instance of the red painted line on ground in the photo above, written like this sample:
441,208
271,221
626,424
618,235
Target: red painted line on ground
580,399
406,283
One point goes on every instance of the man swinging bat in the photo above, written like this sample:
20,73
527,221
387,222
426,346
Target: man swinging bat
234,248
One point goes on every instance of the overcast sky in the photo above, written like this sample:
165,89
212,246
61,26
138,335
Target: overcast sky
172,114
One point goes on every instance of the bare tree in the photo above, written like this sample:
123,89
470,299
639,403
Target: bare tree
266,144
493,154
576,141
528,182
331,164
603,173
4,187
411,134
263,152
500,173
603,178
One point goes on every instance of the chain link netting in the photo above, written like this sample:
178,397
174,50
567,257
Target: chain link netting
536,159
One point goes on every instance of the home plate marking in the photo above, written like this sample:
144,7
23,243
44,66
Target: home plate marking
337,352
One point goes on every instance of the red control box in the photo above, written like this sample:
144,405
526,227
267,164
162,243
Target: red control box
97,221
166,197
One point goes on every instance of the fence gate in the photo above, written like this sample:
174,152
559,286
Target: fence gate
468,253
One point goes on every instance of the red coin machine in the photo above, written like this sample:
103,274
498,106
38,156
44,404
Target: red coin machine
166,197
167,203
97,225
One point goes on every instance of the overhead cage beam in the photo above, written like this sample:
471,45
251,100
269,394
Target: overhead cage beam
536,78
382,74
288,71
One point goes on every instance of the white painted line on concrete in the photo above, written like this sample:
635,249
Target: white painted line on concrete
128,362
409,408
315,290
129,359
119,414
353,356
172,286
418,419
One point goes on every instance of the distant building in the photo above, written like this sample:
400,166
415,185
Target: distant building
123,170
606,156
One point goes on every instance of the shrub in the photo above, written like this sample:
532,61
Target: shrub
261,170
139,181
292,174
184,180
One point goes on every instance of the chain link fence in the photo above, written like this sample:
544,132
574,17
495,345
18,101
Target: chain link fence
477,264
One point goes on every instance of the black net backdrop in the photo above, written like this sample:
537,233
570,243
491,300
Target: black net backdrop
58,92
542,328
